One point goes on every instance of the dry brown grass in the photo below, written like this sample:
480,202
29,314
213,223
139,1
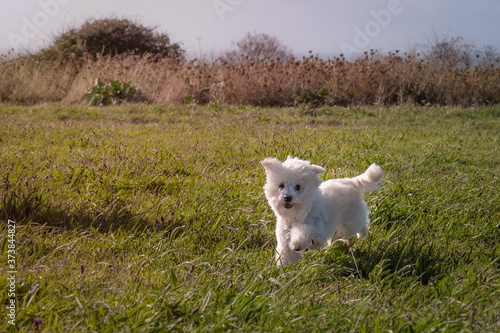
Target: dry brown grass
373,79
27,81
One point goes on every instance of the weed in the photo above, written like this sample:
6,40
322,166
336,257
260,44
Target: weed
312,99
113,93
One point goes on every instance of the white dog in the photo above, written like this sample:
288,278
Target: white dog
310,212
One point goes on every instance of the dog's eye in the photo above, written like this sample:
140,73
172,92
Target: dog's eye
281,186
297,187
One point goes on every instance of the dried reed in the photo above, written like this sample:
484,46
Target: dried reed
372,79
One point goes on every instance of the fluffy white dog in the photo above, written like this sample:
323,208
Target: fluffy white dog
311,212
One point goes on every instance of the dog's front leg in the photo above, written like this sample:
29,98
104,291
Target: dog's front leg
287,256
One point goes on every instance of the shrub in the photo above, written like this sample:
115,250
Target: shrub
258,47
113,93
456,52
309,98
112,36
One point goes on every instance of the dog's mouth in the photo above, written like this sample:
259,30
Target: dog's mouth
288,205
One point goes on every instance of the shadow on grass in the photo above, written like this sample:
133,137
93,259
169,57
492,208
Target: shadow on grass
30,206
401,260
25,205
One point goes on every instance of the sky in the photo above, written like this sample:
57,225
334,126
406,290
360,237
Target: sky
207,27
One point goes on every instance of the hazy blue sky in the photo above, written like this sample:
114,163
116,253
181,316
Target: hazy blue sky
325,27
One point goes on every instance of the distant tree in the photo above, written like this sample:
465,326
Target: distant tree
112,36
257,46
489,57
450,52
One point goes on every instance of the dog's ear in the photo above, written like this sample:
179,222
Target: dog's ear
312,241
271,164
316,169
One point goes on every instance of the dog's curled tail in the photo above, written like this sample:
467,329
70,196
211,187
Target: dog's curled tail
371,180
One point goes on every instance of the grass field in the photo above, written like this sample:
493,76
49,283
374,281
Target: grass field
153,218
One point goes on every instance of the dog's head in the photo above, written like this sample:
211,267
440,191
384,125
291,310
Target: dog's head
290,185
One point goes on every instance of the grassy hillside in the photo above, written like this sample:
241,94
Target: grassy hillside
153,218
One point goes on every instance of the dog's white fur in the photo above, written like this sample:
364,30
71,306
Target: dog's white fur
308,237
311,212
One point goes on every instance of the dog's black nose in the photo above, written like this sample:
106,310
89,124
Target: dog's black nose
287,198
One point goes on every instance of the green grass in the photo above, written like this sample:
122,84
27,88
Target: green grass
153,218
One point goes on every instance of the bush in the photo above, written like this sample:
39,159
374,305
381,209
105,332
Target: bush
311,99
455,52
113,93
112,36
258,47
